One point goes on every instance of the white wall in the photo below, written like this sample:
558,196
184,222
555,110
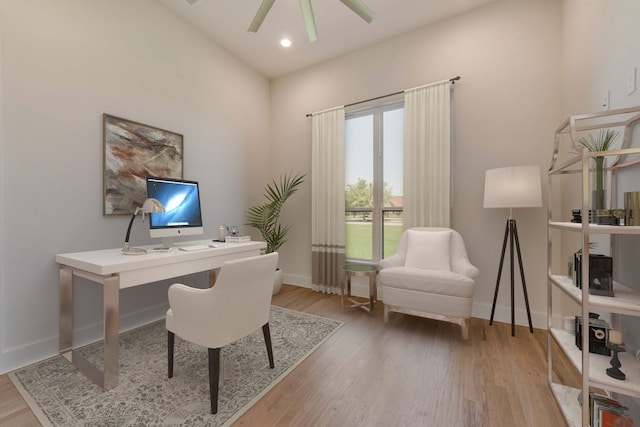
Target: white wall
64,64
507,106
601,46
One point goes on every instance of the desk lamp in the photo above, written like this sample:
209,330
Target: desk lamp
512,187
149,206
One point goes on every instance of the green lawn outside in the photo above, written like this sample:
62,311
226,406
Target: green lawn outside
358,239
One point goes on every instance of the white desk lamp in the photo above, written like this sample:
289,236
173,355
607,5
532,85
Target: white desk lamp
149,206
512,187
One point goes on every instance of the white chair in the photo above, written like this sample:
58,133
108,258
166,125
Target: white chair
429,276
236,306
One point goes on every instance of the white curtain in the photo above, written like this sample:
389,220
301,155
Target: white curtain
327,205
427,156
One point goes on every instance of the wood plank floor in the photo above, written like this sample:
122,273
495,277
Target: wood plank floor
407,372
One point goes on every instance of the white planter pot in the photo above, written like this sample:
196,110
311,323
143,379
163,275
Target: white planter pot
277,282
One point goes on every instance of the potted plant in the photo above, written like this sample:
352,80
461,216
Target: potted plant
600,142
266,217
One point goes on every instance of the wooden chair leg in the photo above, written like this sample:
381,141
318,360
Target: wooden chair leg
267,339
170,343
214,377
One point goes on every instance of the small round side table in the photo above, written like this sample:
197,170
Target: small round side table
362,270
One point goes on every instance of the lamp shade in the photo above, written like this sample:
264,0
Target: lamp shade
152,205
513,187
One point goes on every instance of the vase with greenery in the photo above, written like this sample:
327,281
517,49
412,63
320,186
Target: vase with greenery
266,217
600,142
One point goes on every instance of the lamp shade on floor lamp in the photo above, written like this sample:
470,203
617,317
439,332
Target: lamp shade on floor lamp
513,187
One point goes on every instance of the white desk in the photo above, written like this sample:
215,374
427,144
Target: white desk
118,271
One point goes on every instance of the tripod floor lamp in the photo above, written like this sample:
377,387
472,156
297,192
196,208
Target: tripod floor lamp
512,187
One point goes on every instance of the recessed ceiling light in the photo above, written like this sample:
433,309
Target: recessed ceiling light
285,42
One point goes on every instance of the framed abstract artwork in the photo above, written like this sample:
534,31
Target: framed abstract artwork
133,151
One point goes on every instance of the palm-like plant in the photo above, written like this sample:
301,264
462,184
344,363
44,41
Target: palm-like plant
266,218
600,142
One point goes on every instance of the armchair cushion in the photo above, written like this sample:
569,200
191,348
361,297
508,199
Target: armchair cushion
429,250
431,281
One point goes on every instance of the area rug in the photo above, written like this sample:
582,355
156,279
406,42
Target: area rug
60,395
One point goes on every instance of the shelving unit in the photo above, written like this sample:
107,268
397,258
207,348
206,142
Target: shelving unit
626,301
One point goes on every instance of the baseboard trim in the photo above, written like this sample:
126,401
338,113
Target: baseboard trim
19,357
480,310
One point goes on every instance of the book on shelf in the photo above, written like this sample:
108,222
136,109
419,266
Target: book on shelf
607,412
237,239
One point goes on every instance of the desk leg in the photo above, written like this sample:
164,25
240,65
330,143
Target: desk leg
65,325
212,278
111,330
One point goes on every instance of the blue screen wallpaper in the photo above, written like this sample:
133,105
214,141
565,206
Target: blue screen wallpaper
181,203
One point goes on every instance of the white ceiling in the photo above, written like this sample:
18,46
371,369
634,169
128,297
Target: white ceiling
339,29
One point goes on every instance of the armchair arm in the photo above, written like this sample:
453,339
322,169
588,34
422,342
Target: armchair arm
463,266
395,260
189,304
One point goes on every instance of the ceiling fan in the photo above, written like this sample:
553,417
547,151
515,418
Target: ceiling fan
358,6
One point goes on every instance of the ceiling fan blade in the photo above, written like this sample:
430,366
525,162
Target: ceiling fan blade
309,22
260,15
361,9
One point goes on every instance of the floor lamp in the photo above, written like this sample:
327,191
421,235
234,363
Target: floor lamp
512,187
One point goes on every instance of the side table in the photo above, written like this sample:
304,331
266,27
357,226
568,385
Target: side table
362,270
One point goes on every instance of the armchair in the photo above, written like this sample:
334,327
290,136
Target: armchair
236,306
429,276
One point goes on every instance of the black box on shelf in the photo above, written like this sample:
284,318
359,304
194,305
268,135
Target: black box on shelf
598,336
600,273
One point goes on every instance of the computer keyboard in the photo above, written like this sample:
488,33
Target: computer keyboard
193,248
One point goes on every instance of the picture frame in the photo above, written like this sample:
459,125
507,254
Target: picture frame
133,151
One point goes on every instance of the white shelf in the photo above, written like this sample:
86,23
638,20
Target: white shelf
595,228
567,399
626,301
598,365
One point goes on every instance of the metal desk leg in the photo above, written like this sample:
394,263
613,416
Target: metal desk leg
111,330
107,378
65,325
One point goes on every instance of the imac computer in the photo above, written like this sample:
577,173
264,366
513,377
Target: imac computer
182,215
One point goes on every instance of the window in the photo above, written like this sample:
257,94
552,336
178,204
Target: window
373,193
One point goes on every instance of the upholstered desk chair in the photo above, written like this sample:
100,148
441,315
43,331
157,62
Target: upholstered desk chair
236,306
429,276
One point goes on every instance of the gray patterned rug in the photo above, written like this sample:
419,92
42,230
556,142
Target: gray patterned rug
59,395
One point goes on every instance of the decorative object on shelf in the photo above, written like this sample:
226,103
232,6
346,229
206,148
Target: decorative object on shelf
616,346
266,217
222,231
512,187
632,208
598,335
233,230
600,274
600,142
570,324
132,151
607,412
149,206
601,217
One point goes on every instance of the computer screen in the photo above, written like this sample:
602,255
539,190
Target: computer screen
181,200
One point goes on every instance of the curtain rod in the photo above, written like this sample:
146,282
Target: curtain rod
453,81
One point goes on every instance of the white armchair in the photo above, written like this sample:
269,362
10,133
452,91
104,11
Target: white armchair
236,306
429,276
